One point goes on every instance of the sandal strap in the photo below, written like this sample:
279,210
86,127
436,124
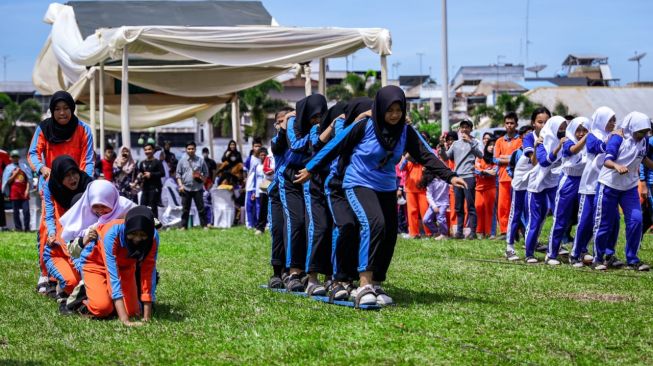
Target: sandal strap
361,293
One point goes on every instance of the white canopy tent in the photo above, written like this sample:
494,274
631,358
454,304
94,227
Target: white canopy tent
189,63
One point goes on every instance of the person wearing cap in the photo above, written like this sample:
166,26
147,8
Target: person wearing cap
150,172
16,183
464,152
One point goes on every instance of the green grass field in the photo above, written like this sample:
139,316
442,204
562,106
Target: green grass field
459,302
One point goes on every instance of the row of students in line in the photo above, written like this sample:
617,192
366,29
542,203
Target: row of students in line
593,163
337,186
91,240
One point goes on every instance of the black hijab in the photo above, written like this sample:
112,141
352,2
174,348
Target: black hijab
60,193
139,218
487,155
387,134
333,113
234,157
355,107
52,130
307,108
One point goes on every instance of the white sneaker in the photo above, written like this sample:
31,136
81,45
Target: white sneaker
531,260
588,259
382,297
42,284
441,237
405,236
511,255
258,232
563,250
551,261
367,299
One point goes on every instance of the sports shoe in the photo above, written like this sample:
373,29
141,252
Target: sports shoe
63,309
472,236
501,237
639,266
441,237
275,282
531,260
541,248
315,289
42,285
600,266
459,235
576,263
563,250
366,295
382,297
258,232
613,262
587,259
551,261
511,255
405,236
294,283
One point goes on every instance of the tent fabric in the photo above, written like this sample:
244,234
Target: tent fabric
180,13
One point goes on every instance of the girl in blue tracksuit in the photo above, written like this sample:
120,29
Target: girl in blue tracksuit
278,146
520,179
543,179
618,186
318,216
309,112
346,231
567,194
602,124
375,146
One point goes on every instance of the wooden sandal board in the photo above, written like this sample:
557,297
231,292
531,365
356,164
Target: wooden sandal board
324,299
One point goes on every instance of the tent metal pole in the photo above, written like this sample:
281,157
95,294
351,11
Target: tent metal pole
124,100
322,79
445,71
307,80
92,108
210,126
101,85
384,70
235,122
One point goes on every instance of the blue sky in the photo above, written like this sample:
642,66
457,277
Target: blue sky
479,31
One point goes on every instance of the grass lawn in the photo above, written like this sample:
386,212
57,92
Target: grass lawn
458,303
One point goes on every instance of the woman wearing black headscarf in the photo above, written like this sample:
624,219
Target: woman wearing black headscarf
61,134
376,145
310,111
232,156
122,245
66,181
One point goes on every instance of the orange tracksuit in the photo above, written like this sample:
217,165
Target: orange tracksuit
486,192
110,274
55,260
503,148
415,198
42,153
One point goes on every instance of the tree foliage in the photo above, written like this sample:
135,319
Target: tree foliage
11,135
505,103
353,86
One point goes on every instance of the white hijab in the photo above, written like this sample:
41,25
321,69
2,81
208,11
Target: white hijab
600,119
630,150
81,216
550,133
570,134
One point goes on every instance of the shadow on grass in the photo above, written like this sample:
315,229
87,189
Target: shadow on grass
405,296
163,311
20,363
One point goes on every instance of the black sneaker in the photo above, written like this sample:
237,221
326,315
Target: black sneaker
275,282
294,283
639,266
575,262
511,255
459,236
63,309
613,262
472,236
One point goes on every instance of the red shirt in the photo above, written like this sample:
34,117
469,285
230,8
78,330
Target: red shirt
503,148
107,169
18,187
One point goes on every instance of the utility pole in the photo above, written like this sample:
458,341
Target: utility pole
445,71
420,55
5,59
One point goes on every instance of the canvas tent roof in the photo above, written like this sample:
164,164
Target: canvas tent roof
93,15
197,61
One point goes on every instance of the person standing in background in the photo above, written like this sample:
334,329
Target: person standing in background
4,161
210,164
16,183
191,172
505,146
150,172
106,164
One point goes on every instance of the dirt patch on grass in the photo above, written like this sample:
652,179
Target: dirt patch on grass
598,297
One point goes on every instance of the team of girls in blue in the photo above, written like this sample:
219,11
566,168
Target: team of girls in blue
337,186
586,166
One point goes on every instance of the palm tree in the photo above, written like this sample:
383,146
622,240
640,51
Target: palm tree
255,100
353,86
505,103
11,135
